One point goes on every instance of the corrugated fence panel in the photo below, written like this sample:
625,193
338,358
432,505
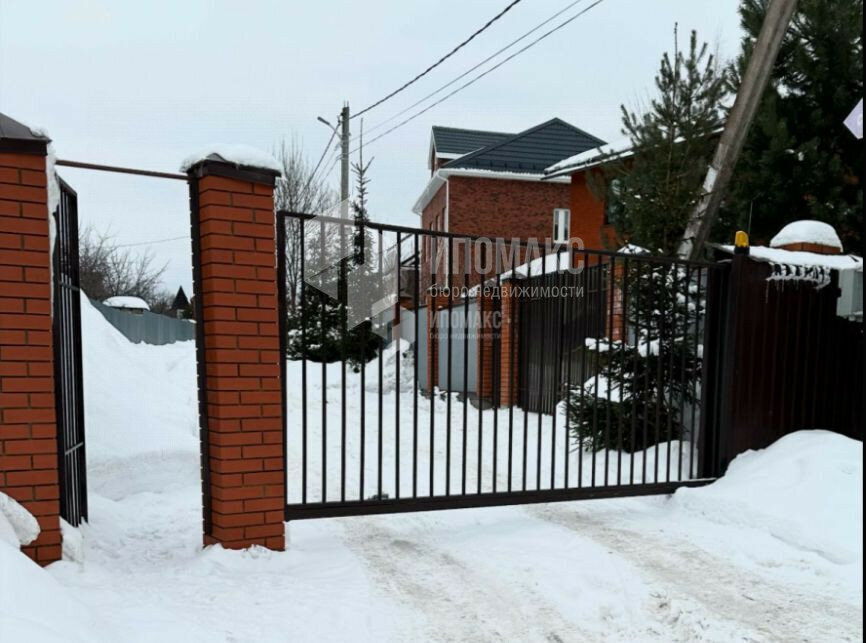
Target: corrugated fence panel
147,327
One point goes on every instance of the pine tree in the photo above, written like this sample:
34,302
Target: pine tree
651,194
799,161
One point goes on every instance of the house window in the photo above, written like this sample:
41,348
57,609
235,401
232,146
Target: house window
613,205
561,222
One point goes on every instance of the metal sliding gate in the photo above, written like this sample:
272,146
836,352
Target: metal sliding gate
590,383
67,364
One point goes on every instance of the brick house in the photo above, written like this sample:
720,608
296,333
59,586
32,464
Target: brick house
492,184
591,213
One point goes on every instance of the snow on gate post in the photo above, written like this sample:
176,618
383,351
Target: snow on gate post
28,429
241,413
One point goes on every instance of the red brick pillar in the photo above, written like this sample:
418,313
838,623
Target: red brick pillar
28,433
432,343
238,354
509,345
487,330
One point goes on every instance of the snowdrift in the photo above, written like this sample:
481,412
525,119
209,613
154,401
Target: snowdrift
140,399
35,607
806,489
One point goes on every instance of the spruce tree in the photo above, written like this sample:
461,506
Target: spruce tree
799,160
651,193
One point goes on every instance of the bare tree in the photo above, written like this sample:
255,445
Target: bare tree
299,190
107,269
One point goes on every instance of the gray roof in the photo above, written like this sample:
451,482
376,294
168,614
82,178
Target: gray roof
453,140
18,135
530,151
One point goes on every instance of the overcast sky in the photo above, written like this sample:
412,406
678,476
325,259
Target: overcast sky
144,84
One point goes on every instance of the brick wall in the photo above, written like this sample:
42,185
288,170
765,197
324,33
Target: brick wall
509,347
244,483
587,215
28,434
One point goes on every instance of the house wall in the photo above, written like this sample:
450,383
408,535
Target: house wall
587,215
502,208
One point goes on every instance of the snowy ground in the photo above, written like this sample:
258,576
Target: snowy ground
771,552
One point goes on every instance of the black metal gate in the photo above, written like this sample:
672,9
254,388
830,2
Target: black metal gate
363,436
68,379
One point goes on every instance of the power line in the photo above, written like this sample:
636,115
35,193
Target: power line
440,61
485,73
150,243
321,158
474,67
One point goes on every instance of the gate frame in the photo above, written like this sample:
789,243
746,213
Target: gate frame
408,503
69,395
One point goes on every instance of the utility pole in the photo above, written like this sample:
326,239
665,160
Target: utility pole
344,161
776,21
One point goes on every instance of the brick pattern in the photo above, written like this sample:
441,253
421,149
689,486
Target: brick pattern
587,216
807,246
28,433
242,362
487,308
509,346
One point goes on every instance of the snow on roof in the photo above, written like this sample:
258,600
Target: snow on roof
548,264
238,154
807,231
130,303
621,148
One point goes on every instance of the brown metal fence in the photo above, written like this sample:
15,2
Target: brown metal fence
788,362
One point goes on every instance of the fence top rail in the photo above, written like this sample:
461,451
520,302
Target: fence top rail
387,227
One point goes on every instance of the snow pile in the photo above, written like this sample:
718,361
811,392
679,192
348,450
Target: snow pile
807,231
389,368
806,489
17,525
34,607
129,303
140,399
238,154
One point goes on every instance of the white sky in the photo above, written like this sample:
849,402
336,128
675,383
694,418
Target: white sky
144,84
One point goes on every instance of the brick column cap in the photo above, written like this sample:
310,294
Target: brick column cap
242,162
18,138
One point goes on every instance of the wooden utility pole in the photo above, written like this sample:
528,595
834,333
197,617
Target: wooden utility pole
776,21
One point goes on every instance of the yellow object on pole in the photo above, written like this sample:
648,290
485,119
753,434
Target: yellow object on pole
741,243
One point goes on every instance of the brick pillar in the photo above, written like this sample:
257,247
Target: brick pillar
432,343
28,433
509,346
238,354
616,325
486,334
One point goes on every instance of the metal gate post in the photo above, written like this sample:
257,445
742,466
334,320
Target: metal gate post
239,357
28,429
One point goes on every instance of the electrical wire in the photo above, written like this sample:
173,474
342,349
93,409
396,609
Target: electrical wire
485,73
319,164
438,62
150,243
474,67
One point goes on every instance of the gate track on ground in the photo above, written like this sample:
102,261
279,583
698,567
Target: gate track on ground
687,575
418,572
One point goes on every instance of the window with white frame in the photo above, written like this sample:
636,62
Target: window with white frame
561,222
